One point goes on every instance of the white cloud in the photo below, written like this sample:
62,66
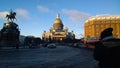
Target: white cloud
22,12
43,9
76,15
3,14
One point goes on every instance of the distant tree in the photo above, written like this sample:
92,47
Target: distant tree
37,41
27,40
32,41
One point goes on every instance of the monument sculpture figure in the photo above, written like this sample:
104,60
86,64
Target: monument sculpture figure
10,32
11,16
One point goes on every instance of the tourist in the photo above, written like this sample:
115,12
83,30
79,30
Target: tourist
107,50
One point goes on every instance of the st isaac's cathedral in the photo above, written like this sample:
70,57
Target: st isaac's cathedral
57,33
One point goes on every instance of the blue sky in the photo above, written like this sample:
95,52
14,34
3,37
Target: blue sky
35,16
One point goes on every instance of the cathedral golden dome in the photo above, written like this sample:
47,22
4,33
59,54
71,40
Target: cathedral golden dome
58,20
58,25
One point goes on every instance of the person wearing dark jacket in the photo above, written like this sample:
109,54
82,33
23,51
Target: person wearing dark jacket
107,50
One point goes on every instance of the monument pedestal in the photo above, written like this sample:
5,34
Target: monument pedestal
10,35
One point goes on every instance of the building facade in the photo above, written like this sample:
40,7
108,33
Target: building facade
95,25
57,32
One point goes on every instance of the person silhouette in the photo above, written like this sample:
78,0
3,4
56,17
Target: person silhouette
107,50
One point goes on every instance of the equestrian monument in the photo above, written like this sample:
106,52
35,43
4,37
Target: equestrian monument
9,34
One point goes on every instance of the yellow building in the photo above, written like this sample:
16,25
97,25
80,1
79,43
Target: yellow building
57,32
95,25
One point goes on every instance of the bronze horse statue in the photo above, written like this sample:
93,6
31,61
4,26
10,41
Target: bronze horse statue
11,16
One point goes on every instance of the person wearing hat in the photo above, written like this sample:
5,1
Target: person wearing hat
107,51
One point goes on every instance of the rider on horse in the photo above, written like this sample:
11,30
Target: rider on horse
11,16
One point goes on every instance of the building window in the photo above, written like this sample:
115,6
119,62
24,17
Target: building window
103,22
97,33
97,26
109,21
